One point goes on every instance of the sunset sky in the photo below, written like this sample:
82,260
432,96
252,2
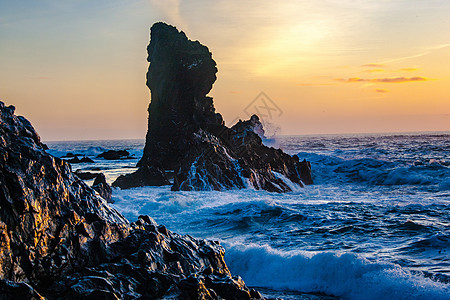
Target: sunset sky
76,69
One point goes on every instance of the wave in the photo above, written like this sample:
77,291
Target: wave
327,168
346,275
94,148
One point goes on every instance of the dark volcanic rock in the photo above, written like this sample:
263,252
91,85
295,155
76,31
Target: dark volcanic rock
86,159
180,75
43,206
186,135
102,187
144,176
76,160
85,175
114,154
60,240
17,290
70,154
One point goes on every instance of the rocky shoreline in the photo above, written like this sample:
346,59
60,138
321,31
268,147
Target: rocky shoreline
60,240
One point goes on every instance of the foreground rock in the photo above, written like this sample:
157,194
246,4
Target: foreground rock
186,135
60,240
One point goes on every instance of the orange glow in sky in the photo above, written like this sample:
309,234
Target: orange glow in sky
77,69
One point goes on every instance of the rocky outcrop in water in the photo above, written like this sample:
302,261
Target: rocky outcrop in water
115,155
144,176
60,240
187,136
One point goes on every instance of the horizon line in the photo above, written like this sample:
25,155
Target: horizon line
274,136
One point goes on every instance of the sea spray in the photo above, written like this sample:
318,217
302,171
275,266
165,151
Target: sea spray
379,208
345,275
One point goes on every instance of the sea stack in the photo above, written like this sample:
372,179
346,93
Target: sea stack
60,240
188,138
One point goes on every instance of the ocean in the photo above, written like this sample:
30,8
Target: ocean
374,225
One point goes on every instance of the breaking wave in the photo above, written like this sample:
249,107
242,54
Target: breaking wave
344,275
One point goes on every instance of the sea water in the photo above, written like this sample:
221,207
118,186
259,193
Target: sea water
374,225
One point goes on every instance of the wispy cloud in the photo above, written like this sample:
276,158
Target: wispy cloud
381,91
387,70
372,66
384,80
408,69
373,70
171,12
313,84
427,50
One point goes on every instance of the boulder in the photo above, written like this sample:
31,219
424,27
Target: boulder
186,135
115,155
70,154
85,175
144,176
102,188
60,240
86,159
76,160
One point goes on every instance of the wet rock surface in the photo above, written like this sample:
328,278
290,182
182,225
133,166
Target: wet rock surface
102,187
187,136
85,175
115,155
144,176
60,240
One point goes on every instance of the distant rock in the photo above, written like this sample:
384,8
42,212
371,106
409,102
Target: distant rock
86,160
144,176
187,136
85,175
60,240
70,154
102,187
115,155
76,160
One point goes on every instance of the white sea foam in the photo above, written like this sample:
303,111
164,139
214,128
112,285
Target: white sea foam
378,203
344,275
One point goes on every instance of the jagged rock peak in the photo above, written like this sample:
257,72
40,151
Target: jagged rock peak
180,75
188,138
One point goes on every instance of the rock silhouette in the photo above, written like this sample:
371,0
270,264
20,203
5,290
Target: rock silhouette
186,136
60,240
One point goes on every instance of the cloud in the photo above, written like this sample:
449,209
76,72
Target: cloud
408,69
427,51
374,70
399,79
170,9
372,66
381,91
384,80
313,84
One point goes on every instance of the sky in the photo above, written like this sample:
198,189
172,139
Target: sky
76,69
